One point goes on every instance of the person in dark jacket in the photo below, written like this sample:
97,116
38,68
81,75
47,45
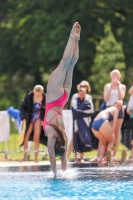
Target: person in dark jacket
32,111
83,84
82,109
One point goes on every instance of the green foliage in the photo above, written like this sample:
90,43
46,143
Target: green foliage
33,35
109,56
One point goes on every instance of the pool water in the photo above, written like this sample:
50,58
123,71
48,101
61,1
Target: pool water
79,184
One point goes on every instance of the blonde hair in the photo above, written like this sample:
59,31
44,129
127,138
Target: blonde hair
115,71
84,83
119,101
38,88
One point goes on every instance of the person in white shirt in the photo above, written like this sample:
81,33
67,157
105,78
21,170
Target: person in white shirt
130,112
130,91
114,91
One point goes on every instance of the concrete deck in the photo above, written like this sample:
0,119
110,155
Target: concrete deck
27,163
43,163
30,166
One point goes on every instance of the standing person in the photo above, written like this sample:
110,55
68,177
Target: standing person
130,112
32,111
130,107
83,84
114,91
58,91
81,109
104,126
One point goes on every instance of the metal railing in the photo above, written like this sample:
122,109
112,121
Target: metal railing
12,145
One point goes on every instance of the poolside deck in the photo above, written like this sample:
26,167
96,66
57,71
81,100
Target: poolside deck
44,163
44,166
31,166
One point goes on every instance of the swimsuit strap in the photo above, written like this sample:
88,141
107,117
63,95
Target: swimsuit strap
58,113
52,118
110,118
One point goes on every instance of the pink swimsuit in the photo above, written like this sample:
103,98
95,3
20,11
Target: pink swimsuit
49,106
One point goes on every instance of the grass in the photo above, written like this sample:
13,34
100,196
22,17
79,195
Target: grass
13,145
15,151
93,153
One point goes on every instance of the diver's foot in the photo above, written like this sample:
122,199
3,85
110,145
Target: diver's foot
64,174
36,160
78,30
55,175
75,33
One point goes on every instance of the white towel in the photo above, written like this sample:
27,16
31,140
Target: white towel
68,124
4,126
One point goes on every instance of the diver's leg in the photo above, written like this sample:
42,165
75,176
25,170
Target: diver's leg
51,134
55,84
64,161
69,74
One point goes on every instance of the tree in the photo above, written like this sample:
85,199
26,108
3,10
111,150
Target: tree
109,56
33,35
37,32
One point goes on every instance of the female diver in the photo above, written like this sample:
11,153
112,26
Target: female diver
58,91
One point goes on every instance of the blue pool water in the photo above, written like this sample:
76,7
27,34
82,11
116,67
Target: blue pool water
79,184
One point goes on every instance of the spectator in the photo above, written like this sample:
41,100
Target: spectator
32,111
130,107
104,126
130,91
114,91
130,112
83,84
81,109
